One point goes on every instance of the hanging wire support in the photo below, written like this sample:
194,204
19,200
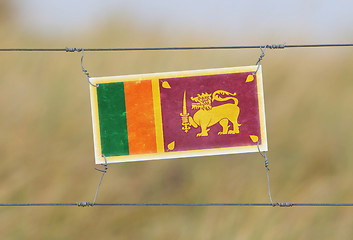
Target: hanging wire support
263,154
103,172
83,69
261,57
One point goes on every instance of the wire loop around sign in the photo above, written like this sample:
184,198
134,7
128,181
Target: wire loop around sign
83,69
260,59
263,154
103,172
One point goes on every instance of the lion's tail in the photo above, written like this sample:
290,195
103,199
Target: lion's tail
219,96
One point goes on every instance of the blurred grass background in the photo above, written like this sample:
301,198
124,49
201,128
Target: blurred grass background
47,148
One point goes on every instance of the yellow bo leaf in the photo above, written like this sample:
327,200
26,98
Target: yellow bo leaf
254,138
250,78
171,145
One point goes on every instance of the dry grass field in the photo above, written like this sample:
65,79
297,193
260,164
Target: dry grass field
46,145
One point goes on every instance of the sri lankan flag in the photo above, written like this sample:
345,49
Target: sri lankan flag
178,114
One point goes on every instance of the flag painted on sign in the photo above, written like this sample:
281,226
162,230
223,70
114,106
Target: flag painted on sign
178,114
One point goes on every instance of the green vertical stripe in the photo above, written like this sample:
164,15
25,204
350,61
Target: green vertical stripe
112,119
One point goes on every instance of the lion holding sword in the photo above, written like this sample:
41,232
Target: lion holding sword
208,116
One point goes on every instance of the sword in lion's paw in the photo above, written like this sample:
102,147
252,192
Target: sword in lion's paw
185,116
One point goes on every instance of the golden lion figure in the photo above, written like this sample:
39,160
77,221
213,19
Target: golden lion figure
208,116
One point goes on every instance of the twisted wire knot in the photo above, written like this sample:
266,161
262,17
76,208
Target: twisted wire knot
86,72
267,164
261,56
283,204
84,204
276,46
68,49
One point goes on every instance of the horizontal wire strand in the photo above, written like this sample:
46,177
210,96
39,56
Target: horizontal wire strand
272,46
86,204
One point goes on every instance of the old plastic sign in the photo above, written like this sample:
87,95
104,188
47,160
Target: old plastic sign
178,114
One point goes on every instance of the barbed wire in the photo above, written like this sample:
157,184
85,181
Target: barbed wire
269,46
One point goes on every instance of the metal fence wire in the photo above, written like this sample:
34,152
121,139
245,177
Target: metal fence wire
263,154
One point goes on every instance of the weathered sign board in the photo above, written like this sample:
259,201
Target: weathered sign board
178,114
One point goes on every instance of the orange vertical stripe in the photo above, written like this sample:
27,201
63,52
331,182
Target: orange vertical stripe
140,117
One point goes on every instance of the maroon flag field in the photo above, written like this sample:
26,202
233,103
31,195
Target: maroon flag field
222,111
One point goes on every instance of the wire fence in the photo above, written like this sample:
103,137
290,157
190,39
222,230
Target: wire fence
262,47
